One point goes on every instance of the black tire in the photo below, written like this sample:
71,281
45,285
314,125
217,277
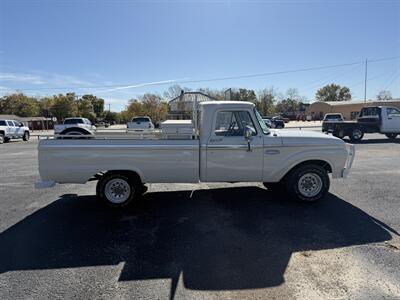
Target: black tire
356,134
6,139
391,136
339,133
130,185
26,136
304,176
1,138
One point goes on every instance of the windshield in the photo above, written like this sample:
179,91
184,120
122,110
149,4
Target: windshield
260,120
73,121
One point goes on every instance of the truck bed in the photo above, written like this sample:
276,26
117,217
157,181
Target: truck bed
77,160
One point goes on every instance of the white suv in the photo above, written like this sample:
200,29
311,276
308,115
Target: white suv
11,129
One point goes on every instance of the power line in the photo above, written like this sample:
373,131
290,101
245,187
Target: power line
210,79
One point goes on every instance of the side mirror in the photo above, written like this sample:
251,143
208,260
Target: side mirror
248,132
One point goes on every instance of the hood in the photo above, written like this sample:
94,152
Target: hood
307,138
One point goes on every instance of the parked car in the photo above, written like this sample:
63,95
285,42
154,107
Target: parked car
102,124
75,126
11,129
275,122
231,144
372,119
268,123
140,124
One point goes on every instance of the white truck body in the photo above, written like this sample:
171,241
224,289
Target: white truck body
210,158
80,123
11,129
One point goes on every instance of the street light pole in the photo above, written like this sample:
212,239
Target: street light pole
365,80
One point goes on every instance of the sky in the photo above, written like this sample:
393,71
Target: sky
120,49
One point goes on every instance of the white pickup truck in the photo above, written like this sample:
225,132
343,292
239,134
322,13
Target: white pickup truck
11,129
233,144
75,126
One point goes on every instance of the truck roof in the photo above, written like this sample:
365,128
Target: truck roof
232,103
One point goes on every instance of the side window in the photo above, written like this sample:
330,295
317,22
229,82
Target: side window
16,124
10,123
232,123
392,112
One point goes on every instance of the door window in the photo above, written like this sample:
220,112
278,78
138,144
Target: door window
233,123
10,123
392,112
16,124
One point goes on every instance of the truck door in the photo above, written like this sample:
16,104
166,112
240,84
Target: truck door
18,130
391,120
11,128
228,157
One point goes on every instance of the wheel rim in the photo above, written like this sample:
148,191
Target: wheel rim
27,136
357,134
117,190
310,184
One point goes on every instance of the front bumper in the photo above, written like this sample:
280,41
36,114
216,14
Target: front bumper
349,162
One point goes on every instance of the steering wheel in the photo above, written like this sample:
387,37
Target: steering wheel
231,128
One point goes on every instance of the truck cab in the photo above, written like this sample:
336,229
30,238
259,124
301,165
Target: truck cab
12,129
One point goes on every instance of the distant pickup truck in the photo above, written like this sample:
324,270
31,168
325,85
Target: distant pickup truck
140,124
11,129
231,144
372,119
75,126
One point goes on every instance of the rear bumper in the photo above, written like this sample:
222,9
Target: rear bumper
349,162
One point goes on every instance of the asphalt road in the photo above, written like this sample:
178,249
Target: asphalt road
227,241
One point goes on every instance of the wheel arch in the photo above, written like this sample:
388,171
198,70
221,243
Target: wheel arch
129,173
319,162
82,130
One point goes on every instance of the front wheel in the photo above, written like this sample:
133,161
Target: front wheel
118,190
391,136
26,136
308,183
1,138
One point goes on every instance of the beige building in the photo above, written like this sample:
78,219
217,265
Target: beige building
349,109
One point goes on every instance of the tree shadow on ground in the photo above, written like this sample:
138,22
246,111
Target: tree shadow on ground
220,239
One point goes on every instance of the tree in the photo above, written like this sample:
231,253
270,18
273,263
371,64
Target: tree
243,95
174,91
266,102
64,106
333,92
96,103
19,104
384,95
290,101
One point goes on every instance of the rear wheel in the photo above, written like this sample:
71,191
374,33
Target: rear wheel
308,183
356,134
1,138
26,136
391,136
118,189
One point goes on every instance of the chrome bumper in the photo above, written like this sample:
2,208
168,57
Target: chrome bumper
350,158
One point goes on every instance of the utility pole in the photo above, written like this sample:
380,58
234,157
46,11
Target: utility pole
365,80
109,107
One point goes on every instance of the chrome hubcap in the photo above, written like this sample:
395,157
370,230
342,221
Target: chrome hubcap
310,184
117,190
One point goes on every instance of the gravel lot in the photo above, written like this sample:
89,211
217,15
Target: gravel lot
227,241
